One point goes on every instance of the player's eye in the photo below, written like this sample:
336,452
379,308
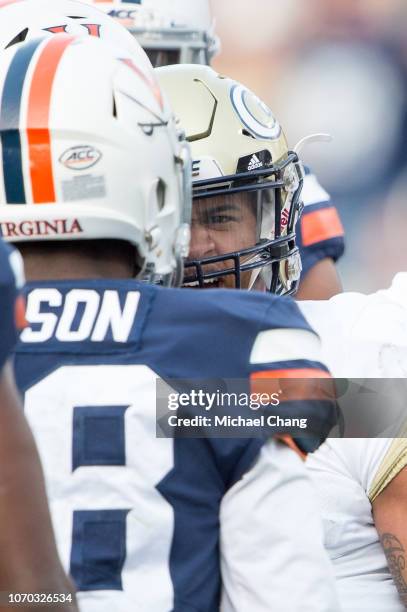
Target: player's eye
220,219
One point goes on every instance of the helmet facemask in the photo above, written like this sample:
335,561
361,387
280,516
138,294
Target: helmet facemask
171,32
170,46
243,230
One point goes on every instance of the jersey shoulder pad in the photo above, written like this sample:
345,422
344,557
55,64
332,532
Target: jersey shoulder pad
397,292
226,309
320,231
228,333
312,191
363,336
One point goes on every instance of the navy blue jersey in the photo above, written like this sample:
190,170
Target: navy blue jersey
136,516
319,231
8,301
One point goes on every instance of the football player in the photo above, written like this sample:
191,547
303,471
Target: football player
361,482
23,20
181,31
28,561
177,32
94,192
247,185
232,234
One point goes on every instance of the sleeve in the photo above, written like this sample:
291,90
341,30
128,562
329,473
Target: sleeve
392,463
11,302
286,365
371,462
320,233
278,562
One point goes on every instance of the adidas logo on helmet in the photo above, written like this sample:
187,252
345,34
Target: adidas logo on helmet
254,163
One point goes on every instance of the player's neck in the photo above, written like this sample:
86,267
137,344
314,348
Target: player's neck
41,267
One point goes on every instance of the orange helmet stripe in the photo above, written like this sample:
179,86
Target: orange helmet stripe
38,134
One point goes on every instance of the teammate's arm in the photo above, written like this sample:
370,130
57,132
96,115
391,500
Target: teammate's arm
29,560
272,553
389,511
321,282
320,237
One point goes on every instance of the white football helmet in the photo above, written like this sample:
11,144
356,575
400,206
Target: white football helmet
87,153
170,31
21,21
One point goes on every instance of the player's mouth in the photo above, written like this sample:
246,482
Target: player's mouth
213,283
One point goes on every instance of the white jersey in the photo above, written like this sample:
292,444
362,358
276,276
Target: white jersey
343,472
362,337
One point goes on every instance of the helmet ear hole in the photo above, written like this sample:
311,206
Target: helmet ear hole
160,190
247,133
18,39
114,107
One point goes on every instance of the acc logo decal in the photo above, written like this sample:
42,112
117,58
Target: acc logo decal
123,15
254,114
81,157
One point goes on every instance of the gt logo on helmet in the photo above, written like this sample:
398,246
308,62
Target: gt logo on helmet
254,114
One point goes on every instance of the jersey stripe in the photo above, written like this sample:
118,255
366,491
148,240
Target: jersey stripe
295,384
19,312
276,345
39,138
392,463
320,225
292,373
10,123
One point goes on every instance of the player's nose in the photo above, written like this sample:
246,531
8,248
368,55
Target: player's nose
202,243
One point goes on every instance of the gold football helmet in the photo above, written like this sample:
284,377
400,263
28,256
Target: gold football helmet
246,184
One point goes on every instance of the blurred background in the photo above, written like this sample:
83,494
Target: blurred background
336,66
